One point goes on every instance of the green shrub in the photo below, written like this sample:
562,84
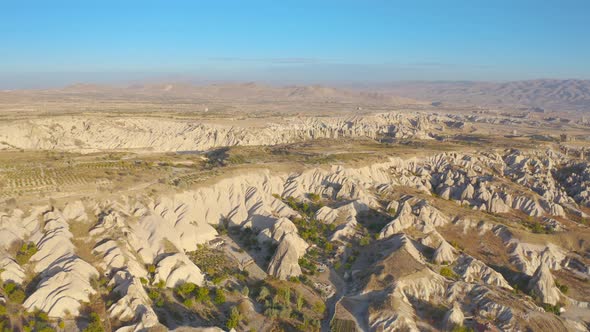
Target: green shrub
461,328
234,318
94,325
17,296
365,240
552,308
202,294
245,291
185,289
319,307
314,197
219,296
263,294
563,288
25,252
448,273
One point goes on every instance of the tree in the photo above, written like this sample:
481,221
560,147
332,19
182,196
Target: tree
319,306
185,289
202,294
94,325
300,301
219,296
263,294
245,291
285,294
234,318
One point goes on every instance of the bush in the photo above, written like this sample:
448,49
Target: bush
202,294
461,328
25,252
365,240
17,296
219,296
95,325
552,308
314,197
185,289
245,291
234,318
563,288
319,307
263,294
300,301
448,273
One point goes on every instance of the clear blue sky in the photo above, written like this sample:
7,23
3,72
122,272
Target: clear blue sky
45,42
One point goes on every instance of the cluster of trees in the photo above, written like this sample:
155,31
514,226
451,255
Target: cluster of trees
25,252
189,294
283,303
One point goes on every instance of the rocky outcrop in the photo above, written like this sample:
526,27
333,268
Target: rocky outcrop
285,261
65,278
473,270
89,133
444,254
454,317
542,285
177,269
421,216
133,309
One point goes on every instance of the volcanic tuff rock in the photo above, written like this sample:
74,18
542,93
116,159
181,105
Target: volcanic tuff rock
543,286
454,317
86,134
65,278
133,232
445,253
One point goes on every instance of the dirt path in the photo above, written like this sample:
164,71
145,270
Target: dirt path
341,289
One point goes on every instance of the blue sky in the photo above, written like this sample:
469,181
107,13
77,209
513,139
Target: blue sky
54,42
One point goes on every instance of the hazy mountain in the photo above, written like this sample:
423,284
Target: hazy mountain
546,93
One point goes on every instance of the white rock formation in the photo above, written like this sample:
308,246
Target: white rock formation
177,269
285,261
445,253
454,317
542,285
65,278
473,270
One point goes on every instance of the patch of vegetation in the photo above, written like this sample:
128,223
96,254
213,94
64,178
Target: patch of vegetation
14,292
314,197
462,328
456,245
219,296
39,322
95,324
447,272
25,252
213,263
563,288
234,318
552,308
289,307
342,325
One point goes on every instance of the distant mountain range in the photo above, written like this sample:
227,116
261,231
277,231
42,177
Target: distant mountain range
546,93
549,94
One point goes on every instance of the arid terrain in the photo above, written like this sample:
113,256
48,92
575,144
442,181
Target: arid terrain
399,207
